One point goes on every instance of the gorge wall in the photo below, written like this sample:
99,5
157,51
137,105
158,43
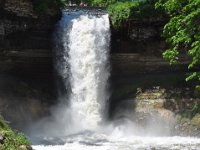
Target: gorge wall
26,67
25,37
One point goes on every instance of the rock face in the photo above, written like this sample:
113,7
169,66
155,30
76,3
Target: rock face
127,64
139,36
25,37
26,66
162,111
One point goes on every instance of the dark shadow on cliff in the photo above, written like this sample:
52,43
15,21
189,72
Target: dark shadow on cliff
24,100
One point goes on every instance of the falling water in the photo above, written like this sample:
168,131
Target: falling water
84,66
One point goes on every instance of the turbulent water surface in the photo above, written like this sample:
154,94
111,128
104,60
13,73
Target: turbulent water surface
114,142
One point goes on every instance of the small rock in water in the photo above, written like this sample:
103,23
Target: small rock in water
25,147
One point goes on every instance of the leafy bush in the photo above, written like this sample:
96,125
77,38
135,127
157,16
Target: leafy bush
121,11
182,32
12,140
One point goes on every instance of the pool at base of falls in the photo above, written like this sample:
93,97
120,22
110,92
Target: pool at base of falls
115,141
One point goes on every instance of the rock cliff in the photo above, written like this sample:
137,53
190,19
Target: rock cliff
25,37
26,65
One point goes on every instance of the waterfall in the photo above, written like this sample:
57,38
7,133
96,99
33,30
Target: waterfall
83,64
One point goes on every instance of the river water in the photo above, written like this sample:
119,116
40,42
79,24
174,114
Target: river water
97,141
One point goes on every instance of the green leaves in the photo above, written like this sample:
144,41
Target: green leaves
12,140
182,32
121,11
171,55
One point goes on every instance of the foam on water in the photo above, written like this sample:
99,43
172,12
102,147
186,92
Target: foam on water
130,143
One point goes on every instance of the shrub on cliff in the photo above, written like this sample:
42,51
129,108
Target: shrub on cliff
10,140
182,32
122,11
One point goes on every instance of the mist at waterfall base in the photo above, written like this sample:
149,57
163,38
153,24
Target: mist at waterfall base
80,121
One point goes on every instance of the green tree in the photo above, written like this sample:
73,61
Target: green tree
182,32
41,6
121,10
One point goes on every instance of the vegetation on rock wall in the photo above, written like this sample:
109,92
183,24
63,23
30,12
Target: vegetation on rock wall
10,140
182,32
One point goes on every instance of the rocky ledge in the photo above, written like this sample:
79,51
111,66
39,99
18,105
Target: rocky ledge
163,111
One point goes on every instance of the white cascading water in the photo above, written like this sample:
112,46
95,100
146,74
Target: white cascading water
88,60
84,68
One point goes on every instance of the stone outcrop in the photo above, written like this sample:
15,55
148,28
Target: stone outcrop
162,111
